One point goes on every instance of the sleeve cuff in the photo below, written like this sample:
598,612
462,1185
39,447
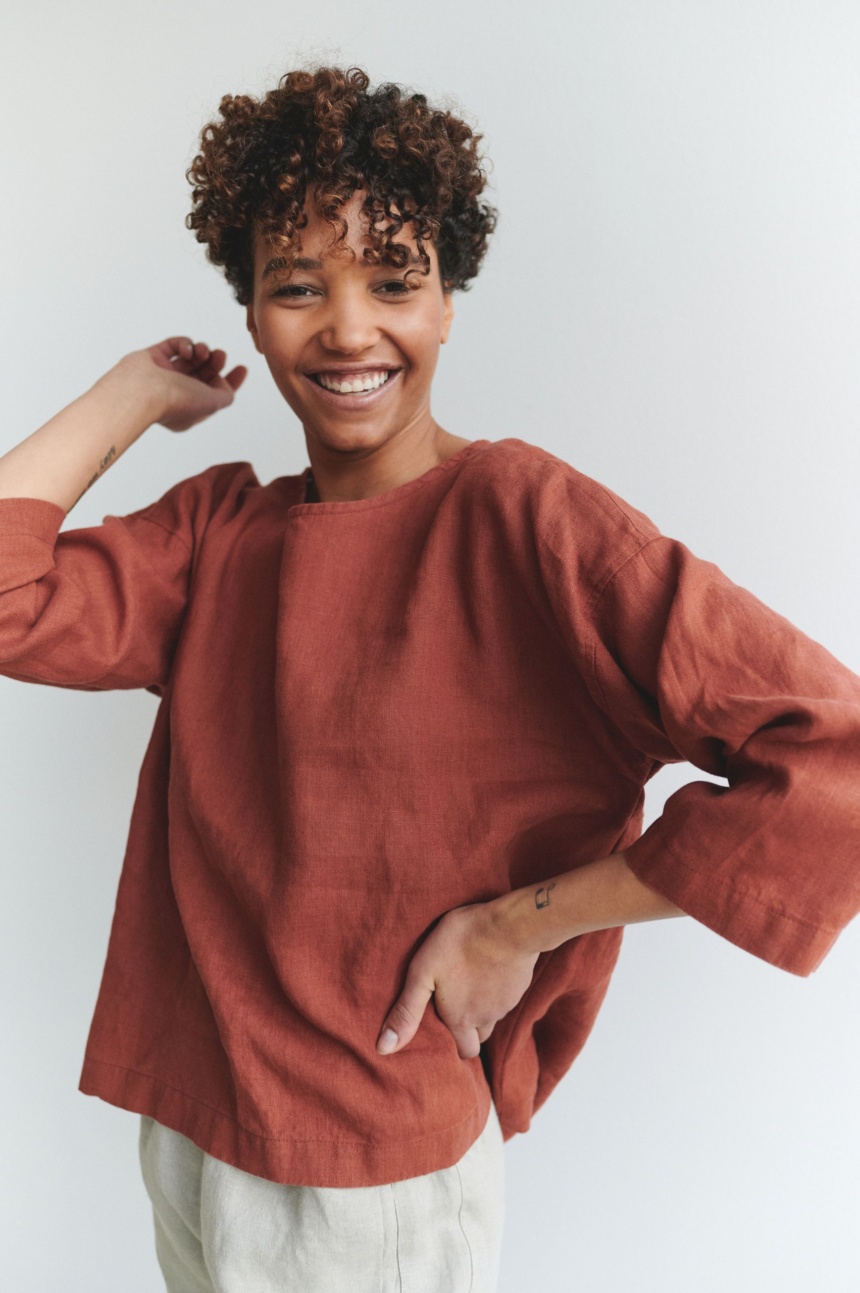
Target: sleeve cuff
729,909
35,517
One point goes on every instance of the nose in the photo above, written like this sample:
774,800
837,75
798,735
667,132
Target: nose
348,326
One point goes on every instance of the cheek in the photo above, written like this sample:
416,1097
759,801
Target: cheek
420,337
281,336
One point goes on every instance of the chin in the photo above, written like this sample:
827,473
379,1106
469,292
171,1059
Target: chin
347,439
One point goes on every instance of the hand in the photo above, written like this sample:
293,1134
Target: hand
476,976
185,378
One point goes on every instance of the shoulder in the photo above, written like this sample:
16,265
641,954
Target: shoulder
566,514
208,497
514,468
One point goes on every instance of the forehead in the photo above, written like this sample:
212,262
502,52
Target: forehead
317,240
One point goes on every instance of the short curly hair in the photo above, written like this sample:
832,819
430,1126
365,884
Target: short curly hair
324,127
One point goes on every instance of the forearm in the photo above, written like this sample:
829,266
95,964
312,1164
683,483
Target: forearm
600,895
63,458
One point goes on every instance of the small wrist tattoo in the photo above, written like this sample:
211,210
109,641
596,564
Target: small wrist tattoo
543,901
103,465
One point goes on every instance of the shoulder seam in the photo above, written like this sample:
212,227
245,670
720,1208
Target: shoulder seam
601,587
630,520
619,506
142,516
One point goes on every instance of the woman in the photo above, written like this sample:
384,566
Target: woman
409,702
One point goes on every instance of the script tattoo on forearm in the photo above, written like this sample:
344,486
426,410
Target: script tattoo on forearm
103,465
543,901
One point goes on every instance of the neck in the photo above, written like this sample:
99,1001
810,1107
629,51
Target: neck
347,477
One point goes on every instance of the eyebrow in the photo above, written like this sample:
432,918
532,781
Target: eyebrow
302,262
307,262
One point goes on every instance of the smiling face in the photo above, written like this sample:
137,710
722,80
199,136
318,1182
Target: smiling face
339,323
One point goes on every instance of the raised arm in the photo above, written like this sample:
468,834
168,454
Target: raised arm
102,606
176,383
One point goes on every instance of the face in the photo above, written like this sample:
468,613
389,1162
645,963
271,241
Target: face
336,323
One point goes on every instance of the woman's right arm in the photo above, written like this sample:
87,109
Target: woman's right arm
175,383
101,606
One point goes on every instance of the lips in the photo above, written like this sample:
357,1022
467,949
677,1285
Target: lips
358,369
353,400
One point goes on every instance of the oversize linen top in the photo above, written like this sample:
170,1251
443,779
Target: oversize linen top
373,711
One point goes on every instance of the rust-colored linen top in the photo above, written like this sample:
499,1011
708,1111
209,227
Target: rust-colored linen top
373,711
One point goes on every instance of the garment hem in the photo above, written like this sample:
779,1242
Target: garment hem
287,1161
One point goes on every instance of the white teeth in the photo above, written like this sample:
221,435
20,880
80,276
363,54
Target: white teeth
349,387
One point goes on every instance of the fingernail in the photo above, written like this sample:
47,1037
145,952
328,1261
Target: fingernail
387,1041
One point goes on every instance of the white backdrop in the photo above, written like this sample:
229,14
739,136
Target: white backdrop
670,304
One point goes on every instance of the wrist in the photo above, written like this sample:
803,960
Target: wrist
597,895
137,391
522,921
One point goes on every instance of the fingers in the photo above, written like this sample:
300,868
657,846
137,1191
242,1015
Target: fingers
405,1015
195,359
198,360
206,364
236,377
403,1018
209,372
175,349
468,1043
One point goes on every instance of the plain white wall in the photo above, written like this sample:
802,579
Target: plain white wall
670,304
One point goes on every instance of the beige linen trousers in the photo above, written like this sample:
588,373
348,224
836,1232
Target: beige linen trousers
221,1230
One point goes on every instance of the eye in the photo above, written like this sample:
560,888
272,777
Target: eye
400,288
291,289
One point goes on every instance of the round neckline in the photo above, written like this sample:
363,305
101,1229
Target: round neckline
333,506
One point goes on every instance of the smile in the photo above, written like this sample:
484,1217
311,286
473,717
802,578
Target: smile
352,386
353,393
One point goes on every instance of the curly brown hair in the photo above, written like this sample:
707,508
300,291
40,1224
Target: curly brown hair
324,128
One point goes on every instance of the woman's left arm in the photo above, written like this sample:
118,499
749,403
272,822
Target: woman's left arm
478,960
686,665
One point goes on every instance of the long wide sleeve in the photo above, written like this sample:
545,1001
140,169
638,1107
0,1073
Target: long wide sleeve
691,666
101,606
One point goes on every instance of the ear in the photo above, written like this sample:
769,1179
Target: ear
252,326
447,313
